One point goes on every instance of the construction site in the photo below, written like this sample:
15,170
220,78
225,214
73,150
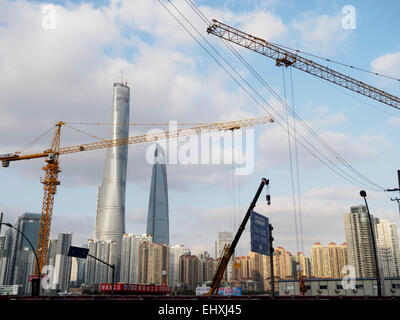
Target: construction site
263,167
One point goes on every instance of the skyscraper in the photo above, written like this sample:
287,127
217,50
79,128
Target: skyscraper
97,272
5,255
304,263
359,241
130,257
62,268
175,252
283,266
22,258
328,262
224,238
110,217
189,271
153,263
318,264
388,248
158,216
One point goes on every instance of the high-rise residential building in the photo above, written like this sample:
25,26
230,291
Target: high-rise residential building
130,257
337,257
283,265
328,262
342,257
62,266
110,217
51,255
97,272
5,255
302,263
359,241
153,263
22,260
242,269
224,238
318,264
158,216
203,255
78,266
189,271
206,269
258,266
388,248
175,252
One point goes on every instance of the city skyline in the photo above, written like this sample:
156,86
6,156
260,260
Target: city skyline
145,262
183,84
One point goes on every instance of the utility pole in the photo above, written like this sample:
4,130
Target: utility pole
378,277
271,261
396,189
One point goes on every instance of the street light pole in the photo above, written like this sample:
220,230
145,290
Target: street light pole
36,293
378,278
112,266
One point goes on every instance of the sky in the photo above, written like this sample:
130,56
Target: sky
66,70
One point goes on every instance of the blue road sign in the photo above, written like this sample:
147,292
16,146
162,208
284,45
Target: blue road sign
259,233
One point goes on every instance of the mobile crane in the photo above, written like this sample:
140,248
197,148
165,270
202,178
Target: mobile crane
229,249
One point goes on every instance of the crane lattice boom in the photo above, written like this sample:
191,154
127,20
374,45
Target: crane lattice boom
52,169
287,58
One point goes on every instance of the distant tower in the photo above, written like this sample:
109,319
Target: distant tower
388,248
110,218
224,238
22,258
359,241
157,218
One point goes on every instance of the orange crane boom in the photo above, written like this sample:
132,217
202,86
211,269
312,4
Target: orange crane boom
287,58
52,169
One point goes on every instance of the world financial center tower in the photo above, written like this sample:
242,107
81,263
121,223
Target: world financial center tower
157,218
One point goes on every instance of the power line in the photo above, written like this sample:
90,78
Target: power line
338,171
291,165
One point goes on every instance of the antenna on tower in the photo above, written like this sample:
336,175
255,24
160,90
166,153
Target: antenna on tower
122,77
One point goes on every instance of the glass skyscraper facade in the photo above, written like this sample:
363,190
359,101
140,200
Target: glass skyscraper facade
157,218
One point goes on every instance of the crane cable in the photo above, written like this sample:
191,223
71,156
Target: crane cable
327,162
234,51
32,142
296,153
291,165
337,62
207,21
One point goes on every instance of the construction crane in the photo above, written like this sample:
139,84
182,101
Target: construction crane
229,249
52,168
287,58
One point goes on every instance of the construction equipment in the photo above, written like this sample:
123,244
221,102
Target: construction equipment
52,169
229,249
287,58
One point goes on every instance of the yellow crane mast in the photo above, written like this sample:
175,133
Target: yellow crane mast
52,169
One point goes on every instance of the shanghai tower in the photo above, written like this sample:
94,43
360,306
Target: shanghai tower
110,217
157,218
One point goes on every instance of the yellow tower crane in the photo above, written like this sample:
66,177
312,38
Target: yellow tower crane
52,169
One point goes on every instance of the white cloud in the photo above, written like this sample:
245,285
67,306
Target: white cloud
394,121
388,64
320,33
262,24
273,144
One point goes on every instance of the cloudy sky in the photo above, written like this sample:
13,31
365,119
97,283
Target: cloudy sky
64,69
